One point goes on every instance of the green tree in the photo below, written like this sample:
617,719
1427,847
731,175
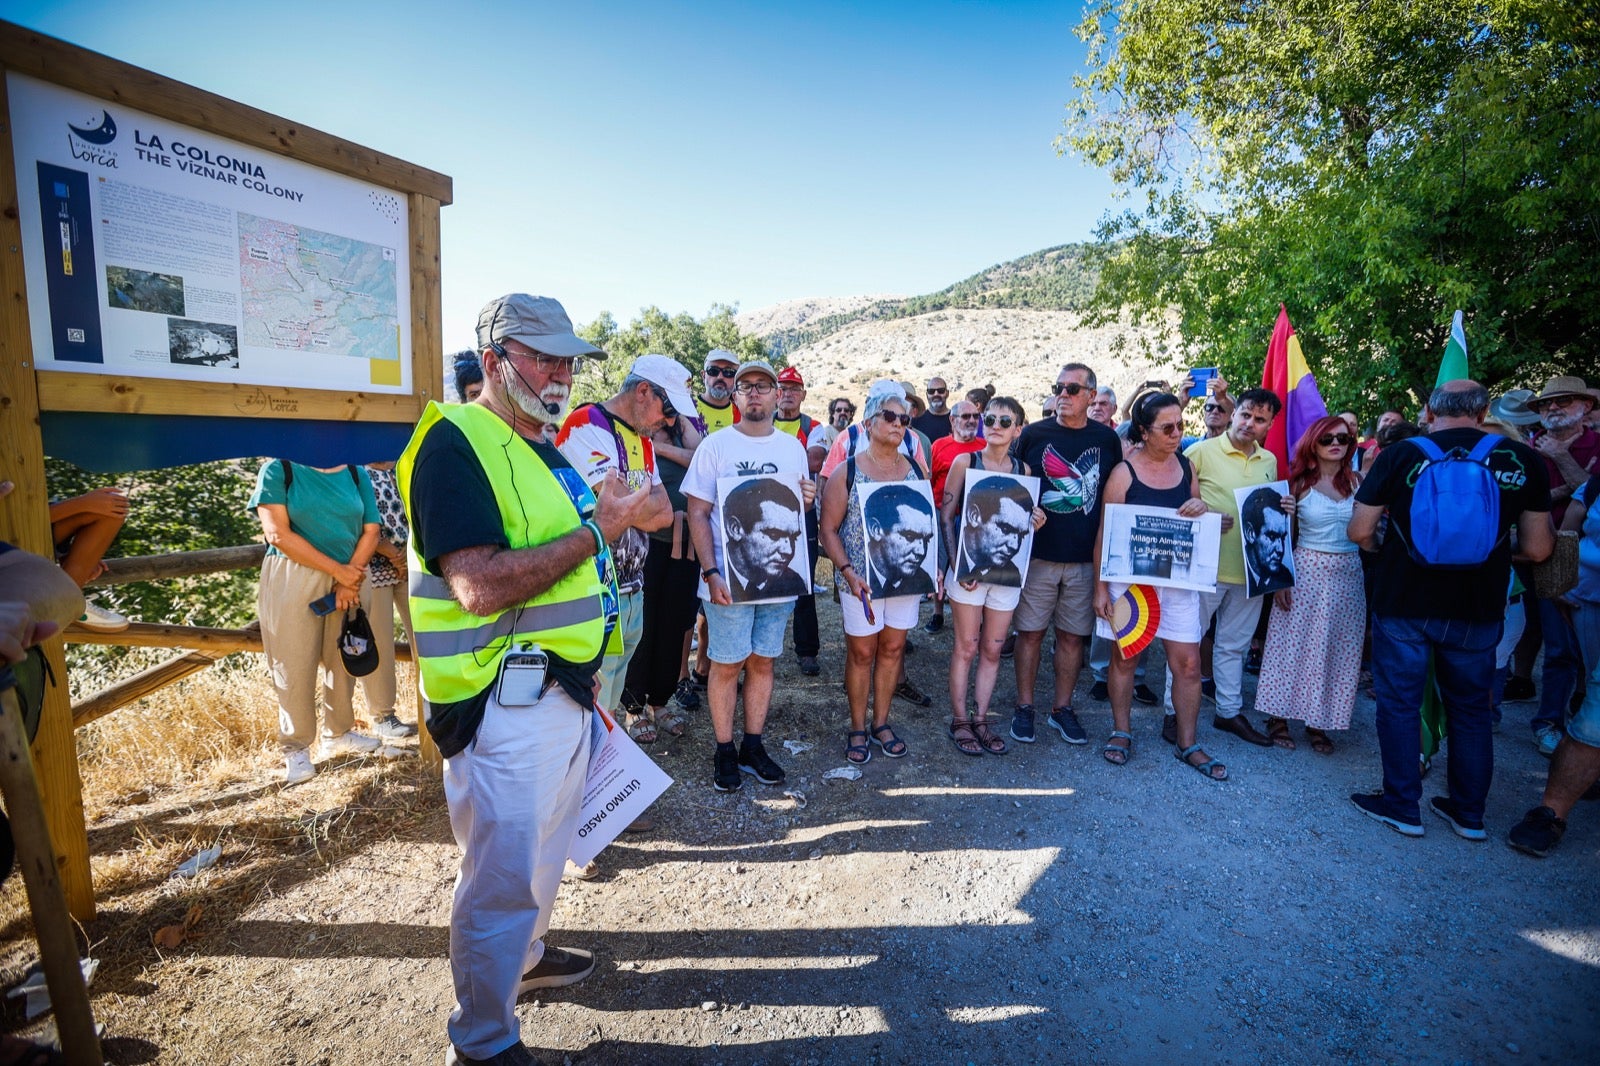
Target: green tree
681,336
1372,166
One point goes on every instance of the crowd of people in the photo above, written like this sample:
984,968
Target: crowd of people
655,553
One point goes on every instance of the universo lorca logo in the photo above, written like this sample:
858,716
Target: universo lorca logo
90,143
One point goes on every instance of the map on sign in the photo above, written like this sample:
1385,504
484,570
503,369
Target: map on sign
308,291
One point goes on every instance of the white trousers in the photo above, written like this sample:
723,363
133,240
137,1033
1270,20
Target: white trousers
1237,617
514,795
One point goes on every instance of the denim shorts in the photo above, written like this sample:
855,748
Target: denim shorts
744,629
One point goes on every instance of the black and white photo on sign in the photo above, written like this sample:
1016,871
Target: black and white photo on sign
1154,546
995,536
1264,532
203,343
902,538
763,537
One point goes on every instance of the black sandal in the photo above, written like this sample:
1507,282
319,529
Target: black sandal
965,739
991,743
857,753
894,747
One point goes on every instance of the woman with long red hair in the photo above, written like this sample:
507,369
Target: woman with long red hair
1312,658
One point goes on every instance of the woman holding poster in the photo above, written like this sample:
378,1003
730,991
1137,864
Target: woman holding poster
1312,658
874,629
990,521
1155,475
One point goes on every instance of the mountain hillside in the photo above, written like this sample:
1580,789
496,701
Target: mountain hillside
1012,325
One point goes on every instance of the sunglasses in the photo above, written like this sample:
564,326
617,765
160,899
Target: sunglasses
720,371
1333,438
1171,429
968,418
1071,388
902,419
1003,421
938,392
844,410
667,410
1213,407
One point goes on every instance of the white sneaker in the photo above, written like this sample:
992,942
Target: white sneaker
101,620
298,767
351,743
574,872
395,751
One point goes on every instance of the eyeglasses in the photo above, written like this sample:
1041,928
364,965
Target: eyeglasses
758,388
720,371
791,388
1334,438
967,418
549,364
895,419
1071,388
667,410
1171,429
1003,421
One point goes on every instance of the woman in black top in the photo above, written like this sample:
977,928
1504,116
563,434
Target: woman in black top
1155,475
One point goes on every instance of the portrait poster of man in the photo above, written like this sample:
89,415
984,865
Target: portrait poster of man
1264,530
763,537
1154,546
995,538
902,538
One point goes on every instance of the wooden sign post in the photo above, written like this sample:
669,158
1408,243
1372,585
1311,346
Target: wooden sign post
169,253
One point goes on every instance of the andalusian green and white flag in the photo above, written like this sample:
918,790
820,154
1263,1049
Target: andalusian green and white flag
1452,367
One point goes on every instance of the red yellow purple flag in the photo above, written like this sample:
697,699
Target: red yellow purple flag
1287,375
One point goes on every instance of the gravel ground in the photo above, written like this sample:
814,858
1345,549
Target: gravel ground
1043,906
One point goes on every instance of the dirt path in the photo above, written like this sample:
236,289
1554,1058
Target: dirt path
1039,907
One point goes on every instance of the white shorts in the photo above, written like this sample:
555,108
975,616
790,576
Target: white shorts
994,597
897,612
1180,615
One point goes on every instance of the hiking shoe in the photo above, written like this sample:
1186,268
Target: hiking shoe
558,968
1066,723
912,694
391,728
101,620
587,872
725,776
297,767
515,1055
1371,805
351,743
687,695
1099,691
809,666
1446,808
1144,695
1022,724
1547,738
755,762
1538,833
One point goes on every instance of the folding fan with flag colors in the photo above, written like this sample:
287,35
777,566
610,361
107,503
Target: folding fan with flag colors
1135,617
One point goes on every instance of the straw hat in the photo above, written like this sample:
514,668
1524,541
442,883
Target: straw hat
1566,385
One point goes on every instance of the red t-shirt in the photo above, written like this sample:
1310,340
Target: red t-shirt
1585,452
945,450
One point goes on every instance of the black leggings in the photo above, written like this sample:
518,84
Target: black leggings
671,596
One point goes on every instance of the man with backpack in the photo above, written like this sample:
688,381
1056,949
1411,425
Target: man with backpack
1453,499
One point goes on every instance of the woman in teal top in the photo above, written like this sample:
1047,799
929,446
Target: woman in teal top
321,528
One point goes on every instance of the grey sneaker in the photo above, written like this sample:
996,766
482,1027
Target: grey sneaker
1065,721
1022,724
558,968
391,728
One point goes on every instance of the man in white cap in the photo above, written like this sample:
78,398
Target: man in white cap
715,406
514,605
614,434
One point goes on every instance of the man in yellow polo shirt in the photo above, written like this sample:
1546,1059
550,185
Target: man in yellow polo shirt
1228,461
715,405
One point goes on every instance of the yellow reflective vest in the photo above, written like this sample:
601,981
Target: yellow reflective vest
457,652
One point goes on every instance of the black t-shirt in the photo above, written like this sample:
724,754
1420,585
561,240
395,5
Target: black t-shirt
1074,465
453,507
1403,589
932,426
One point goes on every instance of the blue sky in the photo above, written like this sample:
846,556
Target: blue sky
624,154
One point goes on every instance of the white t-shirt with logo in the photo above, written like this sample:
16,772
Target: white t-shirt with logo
732,453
